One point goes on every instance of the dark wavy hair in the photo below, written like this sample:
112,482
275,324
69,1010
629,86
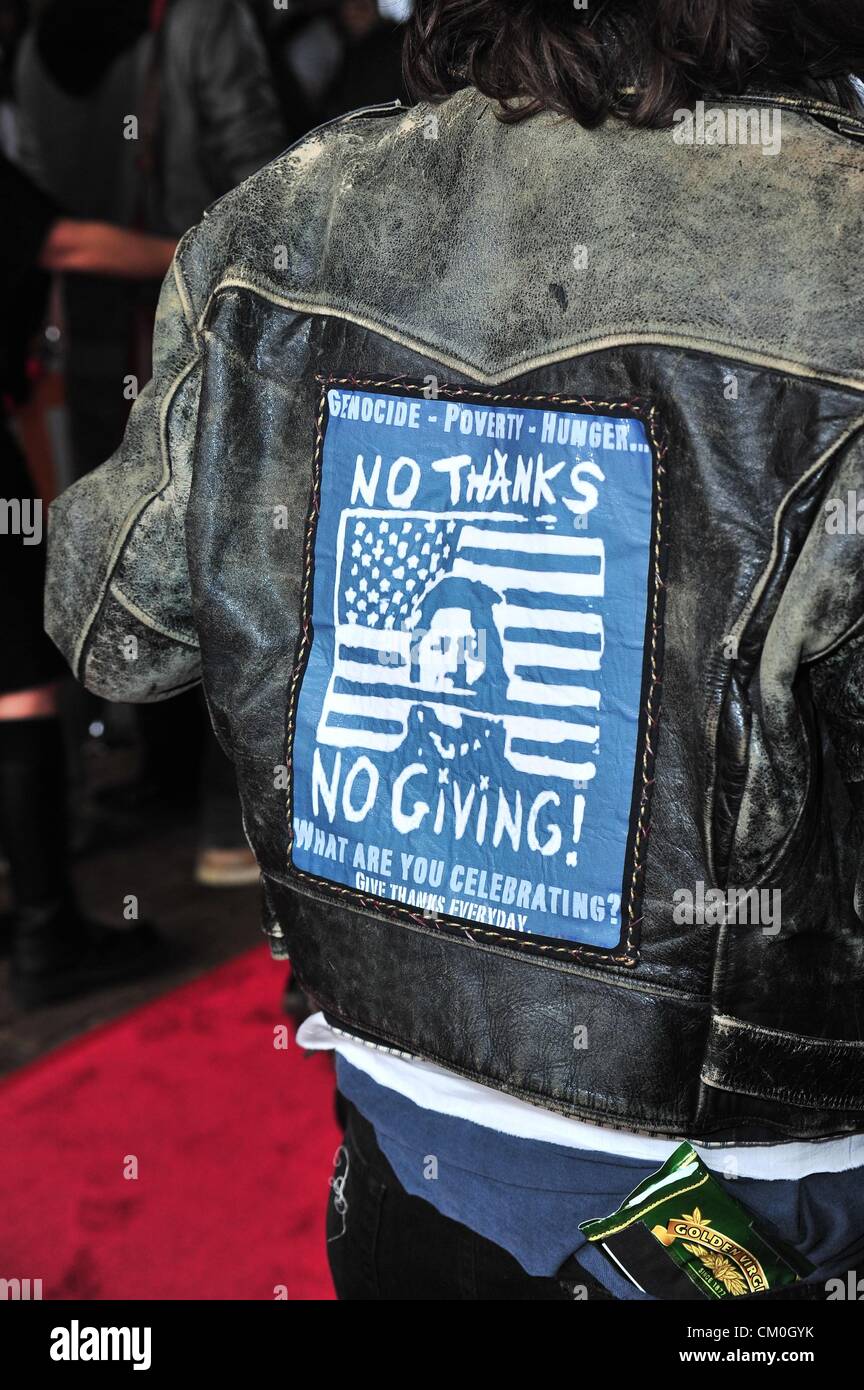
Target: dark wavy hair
638,59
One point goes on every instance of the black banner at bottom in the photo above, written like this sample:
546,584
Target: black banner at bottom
67,1339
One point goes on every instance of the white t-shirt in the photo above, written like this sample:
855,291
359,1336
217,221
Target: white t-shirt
434,1088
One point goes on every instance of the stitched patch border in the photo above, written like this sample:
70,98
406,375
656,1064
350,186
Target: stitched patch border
627,950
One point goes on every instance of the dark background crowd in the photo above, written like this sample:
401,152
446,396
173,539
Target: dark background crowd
123,862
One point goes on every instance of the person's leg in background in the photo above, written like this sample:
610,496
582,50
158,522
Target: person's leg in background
55,950
224,859
33,819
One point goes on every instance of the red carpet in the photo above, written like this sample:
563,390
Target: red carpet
234,1141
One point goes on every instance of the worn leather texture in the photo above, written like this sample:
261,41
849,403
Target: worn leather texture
721,285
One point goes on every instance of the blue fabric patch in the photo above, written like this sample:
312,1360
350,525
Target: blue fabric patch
471,702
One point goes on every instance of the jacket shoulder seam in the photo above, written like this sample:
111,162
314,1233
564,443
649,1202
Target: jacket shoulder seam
147,619
516,368
183,293
335,124
131,519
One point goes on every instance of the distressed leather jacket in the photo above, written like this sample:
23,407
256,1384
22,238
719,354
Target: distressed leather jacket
503,484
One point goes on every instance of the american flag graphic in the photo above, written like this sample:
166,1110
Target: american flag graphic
549,637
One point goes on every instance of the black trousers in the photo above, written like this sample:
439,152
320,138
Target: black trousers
384,1244
28,657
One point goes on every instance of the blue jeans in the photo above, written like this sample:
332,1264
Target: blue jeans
383,1244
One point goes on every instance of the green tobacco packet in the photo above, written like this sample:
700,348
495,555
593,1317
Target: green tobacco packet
680,1228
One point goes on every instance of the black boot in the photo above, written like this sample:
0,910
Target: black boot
55,952
58,955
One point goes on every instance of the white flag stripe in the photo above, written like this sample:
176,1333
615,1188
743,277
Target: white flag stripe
338,737
536,619
375,638
558,658
533,581
531,692
536,542
551,620
379,707
372,673
535,764
538,693
549,730
368,706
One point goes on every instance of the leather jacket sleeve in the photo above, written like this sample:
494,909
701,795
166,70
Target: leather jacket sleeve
838,687
838,684
826,595
117,596
837,669
240,116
